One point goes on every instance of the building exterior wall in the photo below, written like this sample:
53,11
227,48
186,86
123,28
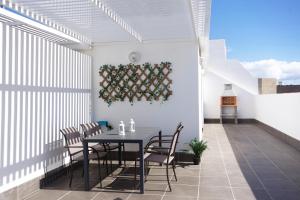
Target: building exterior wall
288,88
183,105
220,71
267,85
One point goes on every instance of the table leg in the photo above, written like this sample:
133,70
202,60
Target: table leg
141,152
159,142
120,154
86,165
159,137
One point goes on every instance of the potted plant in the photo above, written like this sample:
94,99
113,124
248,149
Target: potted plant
197,147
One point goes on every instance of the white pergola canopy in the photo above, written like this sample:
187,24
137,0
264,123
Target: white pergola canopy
127,20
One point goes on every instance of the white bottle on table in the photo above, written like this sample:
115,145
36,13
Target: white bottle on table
122,128
131,126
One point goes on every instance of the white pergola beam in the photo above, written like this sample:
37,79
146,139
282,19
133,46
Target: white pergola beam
118,20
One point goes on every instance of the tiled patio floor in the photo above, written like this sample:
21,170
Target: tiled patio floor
243,162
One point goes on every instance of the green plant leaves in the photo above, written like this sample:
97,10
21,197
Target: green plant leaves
198,146
133,82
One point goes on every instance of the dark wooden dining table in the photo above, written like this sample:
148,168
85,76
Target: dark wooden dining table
141,136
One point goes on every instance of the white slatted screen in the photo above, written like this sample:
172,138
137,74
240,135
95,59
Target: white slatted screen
43,87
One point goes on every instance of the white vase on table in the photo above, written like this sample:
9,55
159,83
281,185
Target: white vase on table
122,128
131,126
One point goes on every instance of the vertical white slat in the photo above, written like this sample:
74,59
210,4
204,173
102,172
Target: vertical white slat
25,64
28,131
85,72
38,121
64,68
54,116
13,52
1,138
24,122
21,57
5,129
18,126
47,64
29,61
54,78
63,80
80,70
33,124
65,121
11,122
40,63
50,114
2,45
16,58
8,55
76,70
44,63
72,113
43,107
35,61
51,65
21,130
46,114
67,67
60,64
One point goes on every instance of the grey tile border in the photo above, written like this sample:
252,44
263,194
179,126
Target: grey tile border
280,135
250,194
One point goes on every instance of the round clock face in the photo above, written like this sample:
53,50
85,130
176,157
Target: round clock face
134,57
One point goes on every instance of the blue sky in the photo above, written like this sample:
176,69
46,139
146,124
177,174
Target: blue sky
258,29
263,34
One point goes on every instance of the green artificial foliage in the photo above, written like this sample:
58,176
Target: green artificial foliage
198,147
134,82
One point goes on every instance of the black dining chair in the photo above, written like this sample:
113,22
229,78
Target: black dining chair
73,144
162,154
93,128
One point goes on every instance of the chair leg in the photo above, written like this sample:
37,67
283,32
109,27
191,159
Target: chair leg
146,169
173,167
111,165
99,171
167,170
71,173
124,154
106,164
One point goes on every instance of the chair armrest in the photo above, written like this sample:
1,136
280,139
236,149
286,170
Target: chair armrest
161,136
157,141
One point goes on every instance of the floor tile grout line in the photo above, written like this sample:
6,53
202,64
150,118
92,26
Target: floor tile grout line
222,158
267,157
31,194
95,195
166,188
64,195
198,194
256,175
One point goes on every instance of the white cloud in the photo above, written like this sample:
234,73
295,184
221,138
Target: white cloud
288,72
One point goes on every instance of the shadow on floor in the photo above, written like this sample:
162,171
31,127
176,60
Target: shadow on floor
259,162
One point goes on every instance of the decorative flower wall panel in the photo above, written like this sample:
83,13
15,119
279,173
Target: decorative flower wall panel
135,82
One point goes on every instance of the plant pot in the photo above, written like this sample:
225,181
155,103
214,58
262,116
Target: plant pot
196,160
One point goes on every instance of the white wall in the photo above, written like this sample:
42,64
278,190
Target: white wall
280,111
220,71
43,87
212,91
183,105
